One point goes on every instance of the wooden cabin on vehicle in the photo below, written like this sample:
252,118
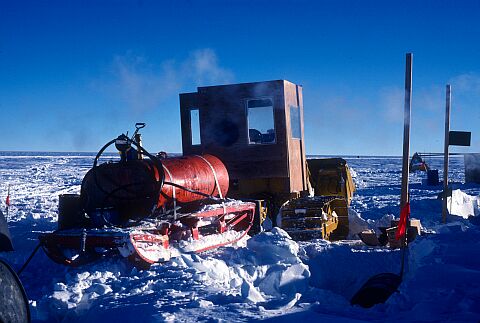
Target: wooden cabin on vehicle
256,129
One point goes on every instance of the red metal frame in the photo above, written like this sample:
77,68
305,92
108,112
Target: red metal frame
86,241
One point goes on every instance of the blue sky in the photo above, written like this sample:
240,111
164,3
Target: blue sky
74,74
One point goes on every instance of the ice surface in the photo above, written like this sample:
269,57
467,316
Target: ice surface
265,277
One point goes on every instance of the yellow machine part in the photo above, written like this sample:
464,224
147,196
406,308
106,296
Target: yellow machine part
331,177
326,214
309,218
323,216
261,212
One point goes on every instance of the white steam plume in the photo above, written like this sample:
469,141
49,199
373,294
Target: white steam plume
468,82
144,86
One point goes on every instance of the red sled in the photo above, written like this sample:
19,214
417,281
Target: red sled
153,241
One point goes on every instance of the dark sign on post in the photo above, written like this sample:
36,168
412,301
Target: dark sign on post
459,138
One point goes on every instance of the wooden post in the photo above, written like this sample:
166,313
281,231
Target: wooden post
406,130
445,153
406,151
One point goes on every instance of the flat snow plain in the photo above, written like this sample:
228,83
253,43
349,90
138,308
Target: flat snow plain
266,277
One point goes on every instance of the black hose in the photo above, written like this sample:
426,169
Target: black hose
29,258
100,152
154,193
154,159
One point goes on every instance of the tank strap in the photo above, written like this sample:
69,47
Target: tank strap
173,193
216,181
214,175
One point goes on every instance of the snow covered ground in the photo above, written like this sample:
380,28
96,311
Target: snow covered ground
266,277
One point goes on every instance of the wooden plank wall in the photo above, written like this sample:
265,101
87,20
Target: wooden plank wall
224,130
296,147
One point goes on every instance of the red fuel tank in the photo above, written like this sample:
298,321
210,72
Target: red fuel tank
200,173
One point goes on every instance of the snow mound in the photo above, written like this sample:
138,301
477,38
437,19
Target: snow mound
77,293
274,246
358,224
443,277
268,268
463,205
274,269
359,183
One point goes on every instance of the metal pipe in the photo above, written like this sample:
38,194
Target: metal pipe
445,154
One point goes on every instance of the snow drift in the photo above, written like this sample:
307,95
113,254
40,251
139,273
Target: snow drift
267,276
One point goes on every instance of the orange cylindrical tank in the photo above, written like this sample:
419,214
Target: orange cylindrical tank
194,172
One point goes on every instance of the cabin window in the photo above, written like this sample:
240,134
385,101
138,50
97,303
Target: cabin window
195,126
295,124
261,127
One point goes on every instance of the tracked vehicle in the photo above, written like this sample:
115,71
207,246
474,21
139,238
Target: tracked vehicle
325,213
243,163
257,130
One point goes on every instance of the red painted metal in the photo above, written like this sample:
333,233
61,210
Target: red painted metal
145,240
218,245
193,172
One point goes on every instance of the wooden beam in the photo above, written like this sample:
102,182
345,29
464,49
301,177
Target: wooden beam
406,130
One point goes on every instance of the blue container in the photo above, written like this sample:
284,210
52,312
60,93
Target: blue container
432,177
